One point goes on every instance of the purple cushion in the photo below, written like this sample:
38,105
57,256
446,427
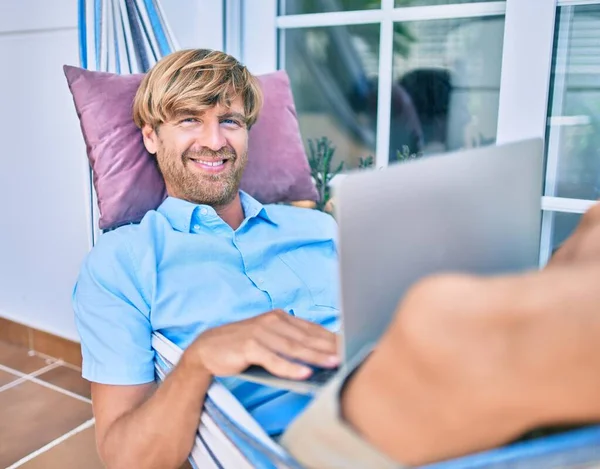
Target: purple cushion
126,178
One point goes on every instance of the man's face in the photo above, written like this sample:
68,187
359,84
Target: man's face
202,156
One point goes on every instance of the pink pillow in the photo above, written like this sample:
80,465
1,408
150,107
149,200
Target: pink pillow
126,178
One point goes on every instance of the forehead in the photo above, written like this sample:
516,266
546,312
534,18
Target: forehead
234,107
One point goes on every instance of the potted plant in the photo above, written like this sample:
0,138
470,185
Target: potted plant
320,159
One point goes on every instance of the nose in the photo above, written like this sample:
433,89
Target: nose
213,136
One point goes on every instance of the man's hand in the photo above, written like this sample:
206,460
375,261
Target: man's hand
274,340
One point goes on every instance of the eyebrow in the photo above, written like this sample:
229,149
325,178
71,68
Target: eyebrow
187,112
195,112
235,115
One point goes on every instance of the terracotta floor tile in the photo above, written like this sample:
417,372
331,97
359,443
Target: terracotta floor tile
33,416
68,379
76,452
58,347
6,378
14,333
18,358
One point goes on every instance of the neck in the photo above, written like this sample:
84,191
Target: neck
232,213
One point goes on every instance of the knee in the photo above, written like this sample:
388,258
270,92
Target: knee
584,243
591,216
435,312
437,296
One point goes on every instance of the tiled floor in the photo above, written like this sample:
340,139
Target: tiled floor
45,413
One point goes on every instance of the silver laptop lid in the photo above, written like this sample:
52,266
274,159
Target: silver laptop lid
475,211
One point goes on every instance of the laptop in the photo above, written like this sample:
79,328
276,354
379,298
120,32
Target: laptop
474,211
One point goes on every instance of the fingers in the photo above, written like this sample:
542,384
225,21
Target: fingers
259,354
313,335
298,339
297,350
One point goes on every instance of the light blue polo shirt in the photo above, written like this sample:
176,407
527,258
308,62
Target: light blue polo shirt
183,270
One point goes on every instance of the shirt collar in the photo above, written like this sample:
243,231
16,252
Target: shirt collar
180,212
253,208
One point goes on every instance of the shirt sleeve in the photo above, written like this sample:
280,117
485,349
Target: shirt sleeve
112,316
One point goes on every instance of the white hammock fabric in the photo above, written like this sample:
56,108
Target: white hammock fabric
228,436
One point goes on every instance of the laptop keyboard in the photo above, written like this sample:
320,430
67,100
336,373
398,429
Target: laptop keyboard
318,378
321,375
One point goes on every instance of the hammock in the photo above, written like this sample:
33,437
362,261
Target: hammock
123,36
228,436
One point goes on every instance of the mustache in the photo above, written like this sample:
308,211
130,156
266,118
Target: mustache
225,153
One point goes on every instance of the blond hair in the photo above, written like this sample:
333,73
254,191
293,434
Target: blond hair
195,80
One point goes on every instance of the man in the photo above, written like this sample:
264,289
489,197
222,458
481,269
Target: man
231,281
235,284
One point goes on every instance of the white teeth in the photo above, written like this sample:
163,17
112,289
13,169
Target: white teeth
211,163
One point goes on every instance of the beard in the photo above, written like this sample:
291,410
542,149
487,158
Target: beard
185,182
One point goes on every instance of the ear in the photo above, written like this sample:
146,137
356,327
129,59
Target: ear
150,136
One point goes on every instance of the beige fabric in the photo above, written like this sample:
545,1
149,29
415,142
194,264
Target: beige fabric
320,439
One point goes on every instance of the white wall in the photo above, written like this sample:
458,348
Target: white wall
44,190
45,211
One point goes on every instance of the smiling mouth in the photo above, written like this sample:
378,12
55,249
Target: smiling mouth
210,166
209,163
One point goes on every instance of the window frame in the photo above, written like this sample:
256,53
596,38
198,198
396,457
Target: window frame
525,76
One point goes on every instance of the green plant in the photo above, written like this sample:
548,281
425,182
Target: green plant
320,159
367,162
401,155
406,155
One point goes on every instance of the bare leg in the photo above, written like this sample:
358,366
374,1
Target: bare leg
584,244
469,364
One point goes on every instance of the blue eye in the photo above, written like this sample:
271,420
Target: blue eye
189,120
